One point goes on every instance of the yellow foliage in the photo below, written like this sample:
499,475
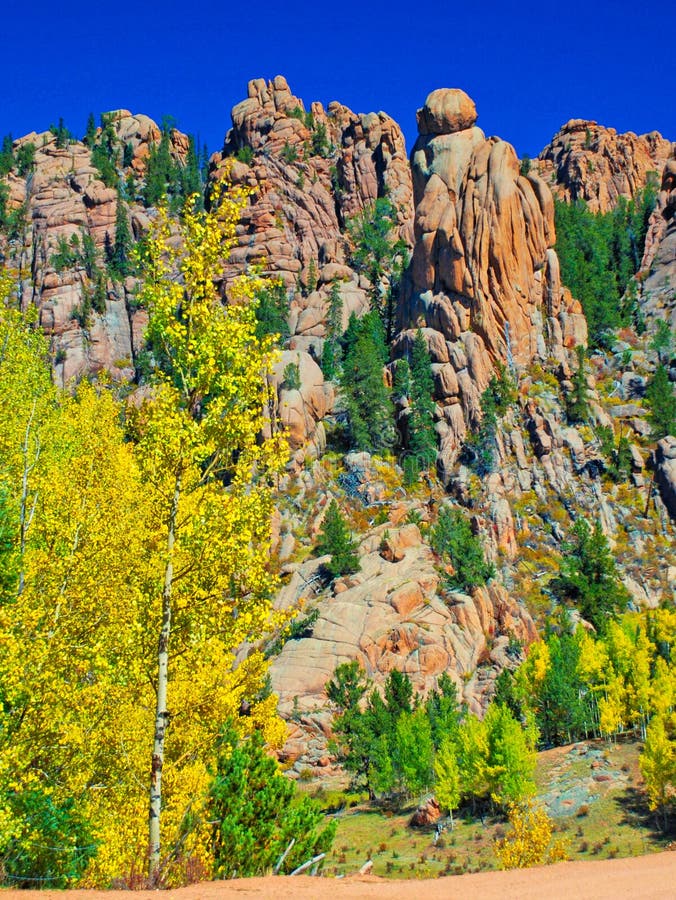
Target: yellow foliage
529,843
86,513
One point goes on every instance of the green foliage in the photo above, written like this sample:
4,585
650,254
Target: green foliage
413,751
162,174
90,134
120,261
67,254
578,401
421,444
661,404
291,377
245,154
588,578
618,455
380,256
524,168
511,757
481,446
335,540
62,134
25,159
370,414
662,342
51,846
271,311
599,253
257,812
320,141
6,155
331,352
289,153
452,539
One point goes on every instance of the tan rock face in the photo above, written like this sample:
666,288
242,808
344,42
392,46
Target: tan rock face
309,174
446,110
64,199
311,171
484,277
658,268
391,616
586,161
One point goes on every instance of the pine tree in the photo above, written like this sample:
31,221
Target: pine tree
90,134
588,576
369,408
452,537
662,404
422,443
336,541
120,256
578,404
331,351
256,812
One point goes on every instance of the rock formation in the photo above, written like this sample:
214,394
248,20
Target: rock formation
586,161
484,280
390,615
309,172
657,278
64,199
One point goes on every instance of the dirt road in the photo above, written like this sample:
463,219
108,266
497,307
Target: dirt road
652,876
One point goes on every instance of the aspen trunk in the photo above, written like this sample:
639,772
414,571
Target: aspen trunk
161,712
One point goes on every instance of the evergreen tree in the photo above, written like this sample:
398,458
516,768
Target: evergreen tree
588,577
331,351
6,155
190,176
161,172
256,813
90,134
661,403
452,538
380,256
120,256
422,442
578,403
271,312
370,412
336,541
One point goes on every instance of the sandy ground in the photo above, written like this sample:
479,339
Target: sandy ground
652,876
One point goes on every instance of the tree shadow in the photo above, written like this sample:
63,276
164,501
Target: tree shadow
634,805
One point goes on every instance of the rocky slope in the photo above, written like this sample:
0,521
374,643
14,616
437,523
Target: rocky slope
62,198
587,161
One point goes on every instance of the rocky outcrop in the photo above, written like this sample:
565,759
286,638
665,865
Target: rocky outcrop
393,614
309,172
484,278
657,276
64,202
587,161
665,472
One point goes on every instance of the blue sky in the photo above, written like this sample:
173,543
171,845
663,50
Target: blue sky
529,66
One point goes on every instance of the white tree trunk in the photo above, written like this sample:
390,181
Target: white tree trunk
161,711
